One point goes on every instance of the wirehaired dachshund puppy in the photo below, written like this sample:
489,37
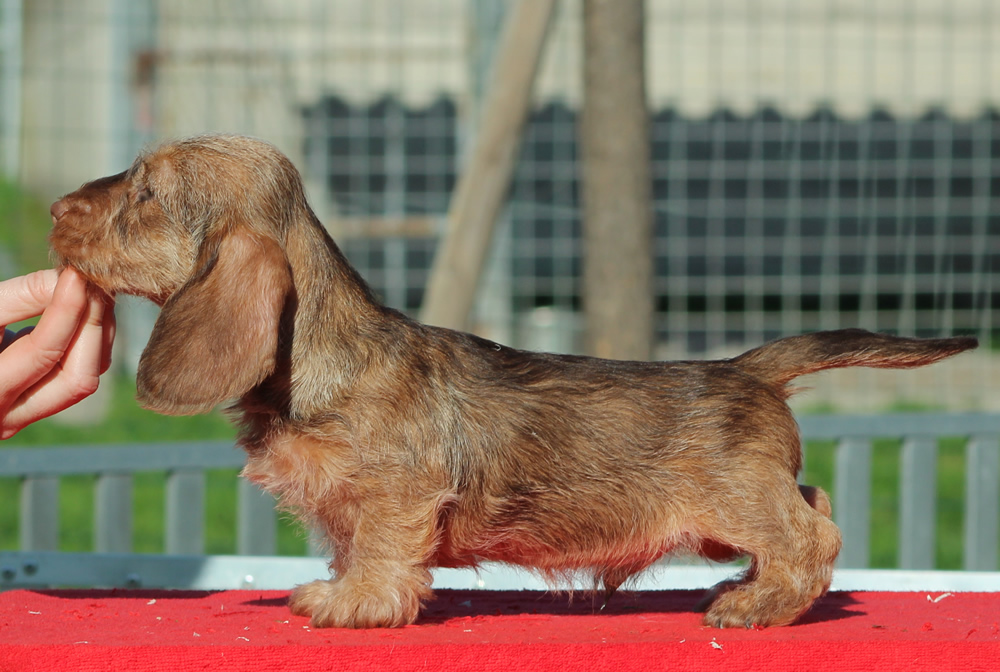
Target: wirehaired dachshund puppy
413,447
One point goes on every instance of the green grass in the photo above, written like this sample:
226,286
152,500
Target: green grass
128,423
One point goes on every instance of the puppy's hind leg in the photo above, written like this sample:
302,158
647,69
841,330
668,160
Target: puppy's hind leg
814,497
792,547
817,499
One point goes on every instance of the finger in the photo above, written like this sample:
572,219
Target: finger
26,296
89,349
30,357
72,379
62,317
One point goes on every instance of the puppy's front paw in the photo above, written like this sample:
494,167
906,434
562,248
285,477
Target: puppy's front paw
342,603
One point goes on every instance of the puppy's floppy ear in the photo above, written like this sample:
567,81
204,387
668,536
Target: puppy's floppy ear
218,335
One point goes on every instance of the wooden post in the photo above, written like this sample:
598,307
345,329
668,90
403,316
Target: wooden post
617,201
483,184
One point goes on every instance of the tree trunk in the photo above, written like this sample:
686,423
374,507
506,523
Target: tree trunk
617,210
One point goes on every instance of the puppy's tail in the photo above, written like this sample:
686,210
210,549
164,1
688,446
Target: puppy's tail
779,362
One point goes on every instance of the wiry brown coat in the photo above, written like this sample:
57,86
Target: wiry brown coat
412,446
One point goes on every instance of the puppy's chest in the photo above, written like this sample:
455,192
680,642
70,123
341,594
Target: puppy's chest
302,470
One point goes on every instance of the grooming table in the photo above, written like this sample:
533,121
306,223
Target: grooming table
491,630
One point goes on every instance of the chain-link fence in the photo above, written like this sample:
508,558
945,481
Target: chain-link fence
816,165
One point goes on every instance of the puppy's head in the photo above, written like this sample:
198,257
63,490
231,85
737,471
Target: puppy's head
198,227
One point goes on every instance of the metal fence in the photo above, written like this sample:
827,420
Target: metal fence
816,165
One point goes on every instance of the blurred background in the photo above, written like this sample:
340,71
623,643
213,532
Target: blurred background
814,165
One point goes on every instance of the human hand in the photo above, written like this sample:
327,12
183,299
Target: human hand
49,367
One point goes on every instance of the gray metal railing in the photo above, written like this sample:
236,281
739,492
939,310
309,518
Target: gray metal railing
185,464
917,485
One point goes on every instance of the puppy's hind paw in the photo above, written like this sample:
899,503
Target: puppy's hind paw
714,592
747,607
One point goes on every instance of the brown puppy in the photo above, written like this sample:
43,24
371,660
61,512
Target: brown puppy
412,446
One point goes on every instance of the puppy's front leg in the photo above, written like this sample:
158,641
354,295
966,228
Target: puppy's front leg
382,573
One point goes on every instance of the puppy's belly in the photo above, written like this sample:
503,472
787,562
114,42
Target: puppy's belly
549,560
562,550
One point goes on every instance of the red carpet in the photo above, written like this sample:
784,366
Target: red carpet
252,630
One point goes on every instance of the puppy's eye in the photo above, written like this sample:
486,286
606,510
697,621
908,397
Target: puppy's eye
143,195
